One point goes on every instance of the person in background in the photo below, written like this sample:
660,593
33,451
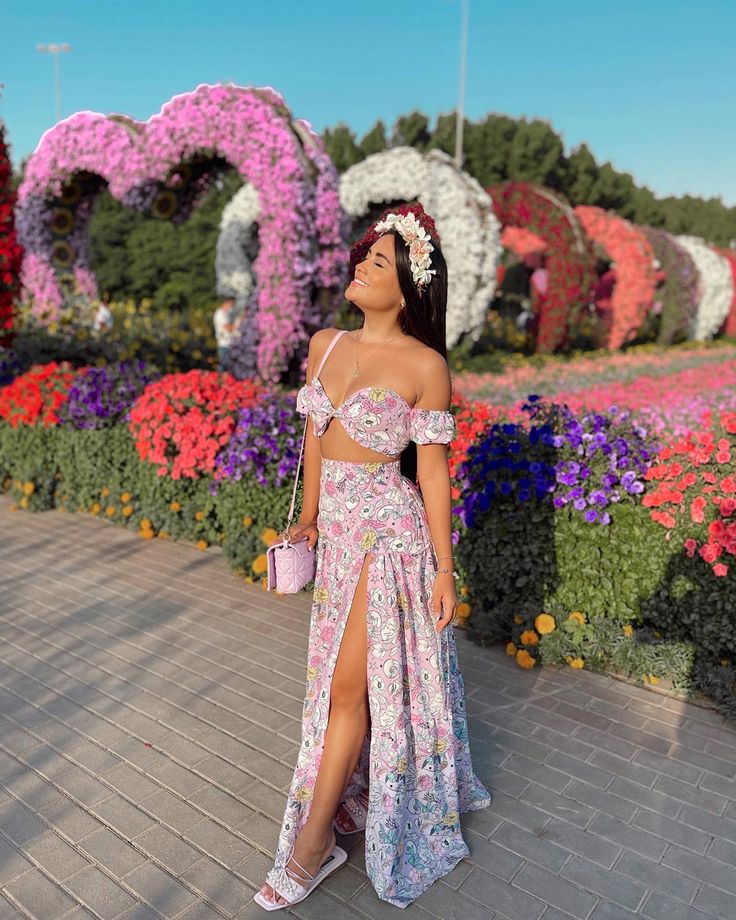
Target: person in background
224,328
103,320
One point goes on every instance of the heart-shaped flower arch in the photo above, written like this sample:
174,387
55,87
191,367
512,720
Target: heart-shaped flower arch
569,256
302,245
631,252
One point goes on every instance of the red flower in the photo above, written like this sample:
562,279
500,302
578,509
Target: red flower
720,569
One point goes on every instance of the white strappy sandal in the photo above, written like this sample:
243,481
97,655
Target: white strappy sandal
358,811
281,880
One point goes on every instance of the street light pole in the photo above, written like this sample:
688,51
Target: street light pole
56,49
460,122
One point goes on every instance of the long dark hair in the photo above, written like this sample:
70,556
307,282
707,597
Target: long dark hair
423,317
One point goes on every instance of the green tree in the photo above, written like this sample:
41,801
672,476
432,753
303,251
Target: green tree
582,175
537,154
487,146
411,131
375,140
341,147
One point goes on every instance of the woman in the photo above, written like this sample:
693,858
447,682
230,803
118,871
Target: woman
384,732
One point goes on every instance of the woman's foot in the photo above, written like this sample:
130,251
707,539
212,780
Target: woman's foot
351,819
310,854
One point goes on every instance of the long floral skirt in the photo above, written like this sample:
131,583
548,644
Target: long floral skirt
415,761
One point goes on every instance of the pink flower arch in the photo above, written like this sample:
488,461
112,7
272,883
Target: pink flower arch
633,255
301,227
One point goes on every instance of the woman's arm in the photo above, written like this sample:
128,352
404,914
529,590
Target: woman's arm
434,480
432,469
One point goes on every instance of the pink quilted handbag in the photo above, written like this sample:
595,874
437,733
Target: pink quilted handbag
290,566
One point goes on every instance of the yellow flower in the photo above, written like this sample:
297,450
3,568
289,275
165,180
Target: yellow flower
175,506
650,679
465,590
247,521
402,765
628,630
268,535
110,510
578,617
440,746
725,662
248,579
145,524
368,540
463,610
529,637
303,794
403,600
29,488
202,544
574,662
544,623
372,467
259,564
146,534
320,595
524,659
450,819
377,394
312,672
199,515
518,619
127,511
163,535
511,648
104,492
96,508
125,497
24,502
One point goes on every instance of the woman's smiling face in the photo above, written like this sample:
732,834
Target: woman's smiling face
376,281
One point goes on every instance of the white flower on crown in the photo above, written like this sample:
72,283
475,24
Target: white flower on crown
418,241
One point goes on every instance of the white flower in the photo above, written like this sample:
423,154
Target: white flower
716,286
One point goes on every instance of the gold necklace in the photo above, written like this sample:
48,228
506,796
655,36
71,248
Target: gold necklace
356,371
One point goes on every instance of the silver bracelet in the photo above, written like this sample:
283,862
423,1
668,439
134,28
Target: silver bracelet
454,573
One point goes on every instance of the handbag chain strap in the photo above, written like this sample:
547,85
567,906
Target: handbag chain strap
304,433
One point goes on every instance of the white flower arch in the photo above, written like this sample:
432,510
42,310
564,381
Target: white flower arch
463,214
715,284
233,265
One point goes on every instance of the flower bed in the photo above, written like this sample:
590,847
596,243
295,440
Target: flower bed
559,499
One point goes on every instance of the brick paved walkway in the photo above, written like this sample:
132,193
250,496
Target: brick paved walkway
149,723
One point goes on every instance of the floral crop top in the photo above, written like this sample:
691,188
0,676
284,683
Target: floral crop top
378,418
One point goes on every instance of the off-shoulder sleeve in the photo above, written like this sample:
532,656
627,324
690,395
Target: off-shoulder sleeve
431,426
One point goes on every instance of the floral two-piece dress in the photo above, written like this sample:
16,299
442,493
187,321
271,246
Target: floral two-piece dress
415,762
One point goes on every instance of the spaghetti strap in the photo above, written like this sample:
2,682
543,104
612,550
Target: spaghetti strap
332,344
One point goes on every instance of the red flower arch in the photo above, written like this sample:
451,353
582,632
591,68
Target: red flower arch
569,256
632,253
729,327
10,250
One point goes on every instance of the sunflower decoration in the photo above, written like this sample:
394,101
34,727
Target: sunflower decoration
164,205
71,192
62,221
62,254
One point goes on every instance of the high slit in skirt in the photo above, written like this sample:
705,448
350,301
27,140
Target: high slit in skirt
415,761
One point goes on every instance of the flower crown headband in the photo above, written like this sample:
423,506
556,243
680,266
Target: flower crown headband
416,229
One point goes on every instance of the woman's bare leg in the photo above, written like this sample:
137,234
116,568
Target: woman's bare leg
347,724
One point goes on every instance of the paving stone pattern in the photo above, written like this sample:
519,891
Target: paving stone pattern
150,710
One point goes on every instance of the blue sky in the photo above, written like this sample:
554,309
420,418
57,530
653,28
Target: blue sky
648,84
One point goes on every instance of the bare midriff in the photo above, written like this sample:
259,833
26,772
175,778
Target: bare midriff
336,444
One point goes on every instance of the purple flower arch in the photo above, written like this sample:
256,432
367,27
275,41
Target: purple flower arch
301,228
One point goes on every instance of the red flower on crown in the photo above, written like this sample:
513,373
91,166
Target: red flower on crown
359,249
